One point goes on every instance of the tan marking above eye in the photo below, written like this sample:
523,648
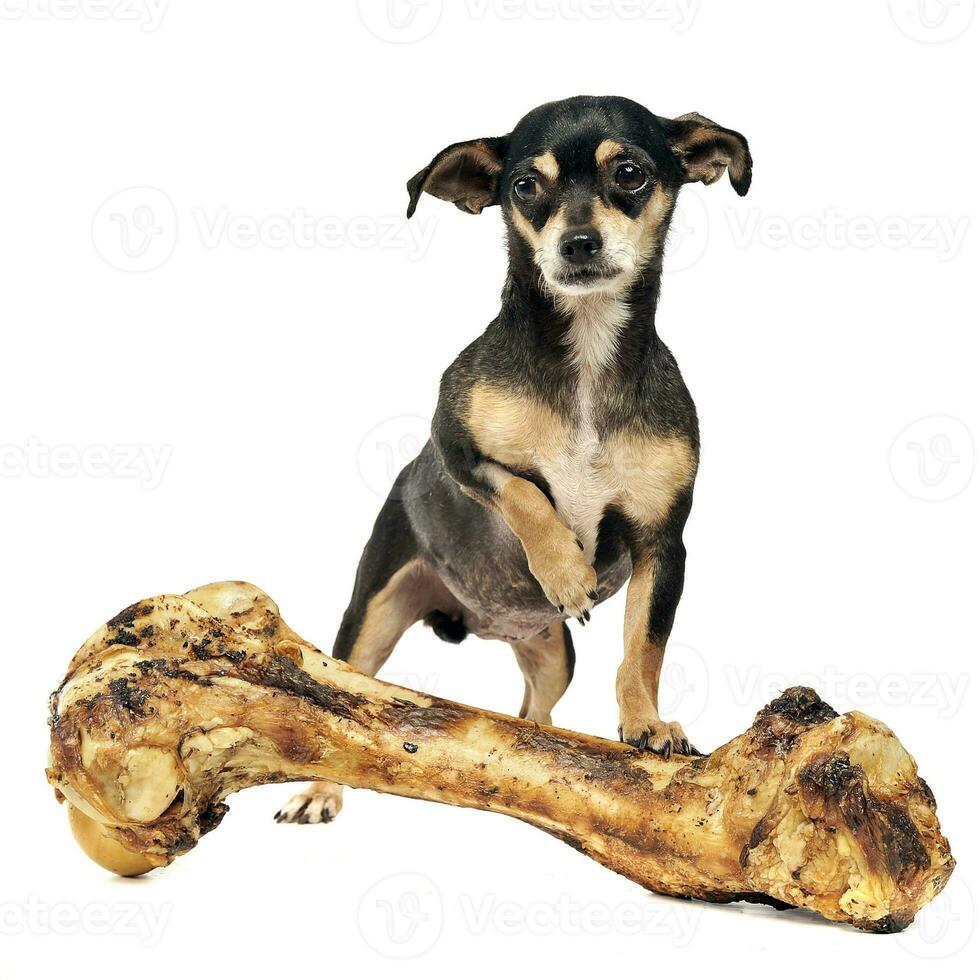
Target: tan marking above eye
547,165
608,150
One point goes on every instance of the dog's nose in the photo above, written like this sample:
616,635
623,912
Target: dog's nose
580,245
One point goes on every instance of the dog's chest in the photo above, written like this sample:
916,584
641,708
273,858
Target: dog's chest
587,472
588,469
580,472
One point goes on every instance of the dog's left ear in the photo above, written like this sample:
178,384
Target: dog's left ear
704,150
465,173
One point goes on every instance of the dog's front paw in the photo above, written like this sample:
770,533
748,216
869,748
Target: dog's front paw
567,579
654,735
318,803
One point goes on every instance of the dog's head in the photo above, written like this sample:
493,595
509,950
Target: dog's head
587,185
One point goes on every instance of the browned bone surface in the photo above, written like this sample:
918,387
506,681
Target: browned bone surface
179,701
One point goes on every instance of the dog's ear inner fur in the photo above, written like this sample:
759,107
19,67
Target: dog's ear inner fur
467,174
704,150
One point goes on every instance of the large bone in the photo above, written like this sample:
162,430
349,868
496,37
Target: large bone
181,700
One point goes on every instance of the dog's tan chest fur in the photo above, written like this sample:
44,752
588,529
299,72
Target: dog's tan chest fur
639,474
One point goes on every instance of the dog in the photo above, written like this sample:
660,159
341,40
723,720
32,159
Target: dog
565,444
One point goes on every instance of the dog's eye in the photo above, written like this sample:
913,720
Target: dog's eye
526,188
630,177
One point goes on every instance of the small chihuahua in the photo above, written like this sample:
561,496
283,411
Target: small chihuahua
565,444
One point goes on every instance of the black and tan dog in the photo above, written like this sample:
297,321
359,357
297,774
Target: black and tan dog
565,443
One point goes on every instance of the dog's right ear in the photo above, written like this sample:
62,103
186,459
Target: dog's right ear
467,174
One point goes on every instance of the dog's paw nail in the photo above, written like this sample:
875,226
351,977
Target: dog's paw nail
593,595
561,607
587,616
640,742
581,620
310,807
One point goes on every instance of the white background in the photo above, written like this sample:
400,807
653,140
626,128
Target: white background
275,382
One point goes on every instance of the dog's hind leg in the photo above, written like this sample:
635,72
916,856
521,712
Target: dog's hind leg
392,590
547,662
377,618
